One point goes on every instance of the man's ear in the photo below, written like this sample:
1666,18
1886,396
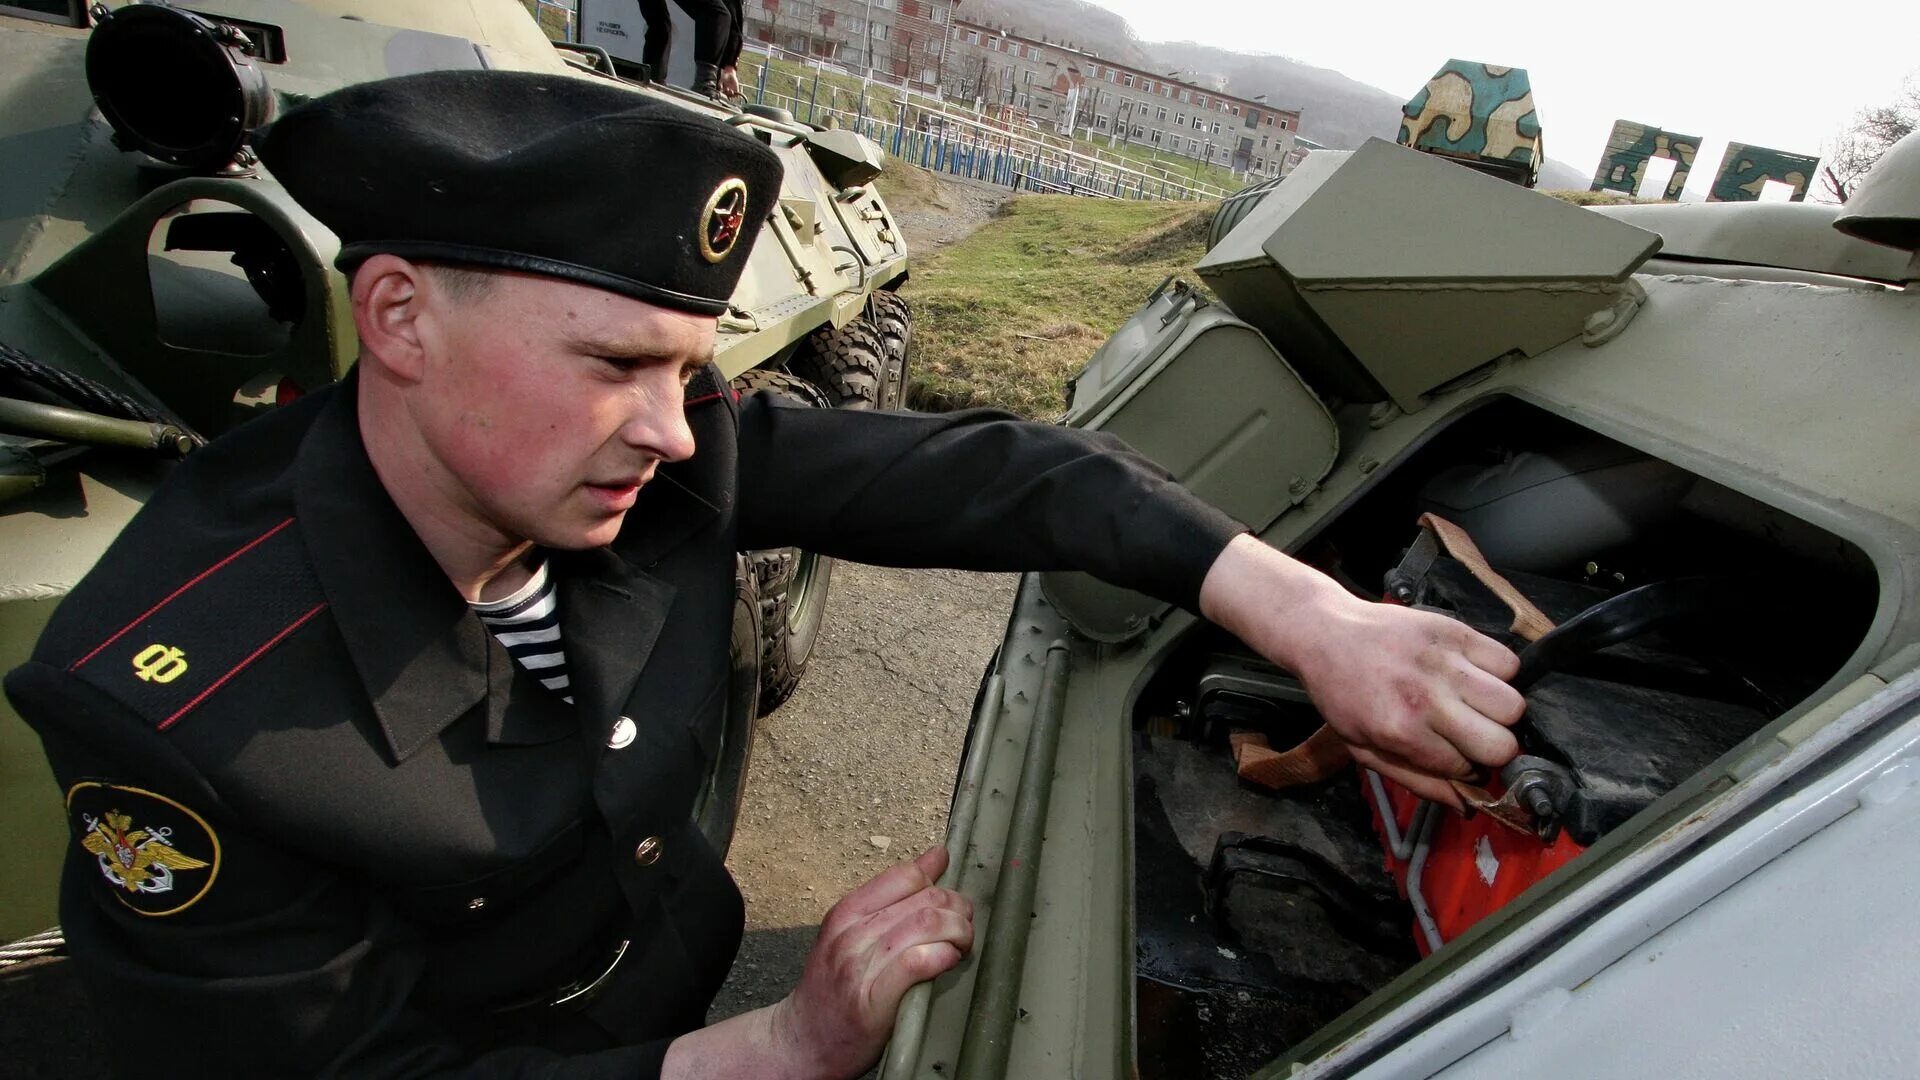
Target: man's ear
390,299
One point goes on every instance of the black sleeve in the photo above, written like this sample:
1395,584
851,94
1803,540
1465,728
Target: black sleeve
974,490
281,967
730,54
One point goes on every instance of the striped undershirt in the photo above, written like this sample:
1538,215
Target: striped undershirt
528,625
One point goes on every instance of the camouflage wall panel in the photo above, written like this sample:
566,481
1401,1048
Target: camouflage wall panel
1631,146
1477,111
1745,170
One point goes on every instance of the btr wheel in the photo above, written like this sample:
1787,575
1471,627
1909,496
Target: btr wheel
791,585
848,363
893,318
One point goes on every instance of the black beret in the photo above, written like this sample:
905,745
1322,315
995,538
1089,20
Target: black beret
549,174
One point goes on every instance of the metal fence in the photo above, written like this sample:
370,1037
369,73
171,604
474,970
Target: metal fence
923,130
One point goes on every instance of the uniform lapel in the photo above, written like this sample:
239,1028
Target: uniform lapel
420,652
610,617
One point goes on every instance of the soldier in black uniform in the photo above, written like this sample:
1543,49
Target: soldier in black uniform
717,41
382,724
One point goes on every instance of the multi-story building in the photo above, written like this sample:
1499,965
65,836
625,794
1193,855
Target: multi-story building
903,38
1079,93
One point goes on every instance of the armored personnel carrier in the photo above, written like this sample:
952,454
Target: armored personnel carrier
1665,453
158,287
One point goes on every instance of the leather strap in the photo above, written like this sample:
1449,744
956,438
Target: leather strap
1528,621
1323,754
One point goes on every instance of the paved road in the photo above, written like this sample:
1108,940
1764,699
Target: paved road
855,771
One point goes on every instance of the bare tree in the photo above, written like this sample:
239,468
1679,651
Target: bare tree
1872,133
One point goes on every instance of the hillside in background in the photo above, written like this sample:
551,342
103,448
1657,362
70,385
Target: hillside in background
1336,111
1075,23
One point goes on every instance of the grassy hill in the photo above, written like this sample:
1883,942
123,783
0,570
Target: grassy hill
1005,316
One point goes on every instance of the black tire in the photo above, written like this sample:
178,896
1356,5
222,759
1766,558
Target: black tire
717,808
848,363
892,317
791,585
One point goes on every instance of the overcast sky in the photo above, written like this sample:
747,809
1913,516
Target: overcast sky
1752,72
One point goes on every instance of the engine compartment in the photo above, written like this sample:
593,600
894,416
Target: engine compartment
1684,617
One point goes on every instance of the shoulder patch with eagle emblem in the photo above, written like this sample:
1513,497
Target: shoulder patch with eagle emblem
155,855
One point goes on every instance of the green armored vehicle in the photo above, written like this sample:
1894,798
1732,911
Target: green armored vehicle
157,287
1666,453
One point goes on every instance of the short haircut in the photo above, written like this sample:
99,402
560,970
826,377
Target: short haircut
465,284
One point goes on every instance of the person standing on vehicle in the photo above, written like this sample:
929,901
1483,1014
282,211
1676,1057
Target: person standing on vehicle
717,29
382,725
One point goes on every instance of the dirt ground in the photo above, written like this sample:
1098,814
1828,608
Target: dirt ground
934,210
855,771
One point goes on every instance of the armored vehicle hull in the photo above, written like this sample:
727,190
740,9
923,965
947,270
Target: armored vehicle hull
1698,449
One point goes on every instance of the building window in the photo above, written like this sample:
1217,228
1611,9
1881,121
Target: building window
938,16
1139,132
973,37
878,31
1160,114
1112,75
1027,77
1186,97
1236,110
1199,124
826,18
1033,53
856,25
1193,146
928,75
994,44
1156,138
884,5
1283,123
1128,81
1100,122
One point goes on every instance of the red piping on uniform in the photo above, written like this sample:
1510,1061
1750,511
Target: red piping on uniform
251,657
704,398
172,596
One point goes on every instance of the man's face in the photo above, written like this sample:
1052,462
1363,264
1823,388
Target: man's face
549,404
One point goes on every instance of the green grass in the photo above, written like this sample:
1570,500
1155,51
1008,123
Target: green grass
1005,316
1596,198
1177,167
788,79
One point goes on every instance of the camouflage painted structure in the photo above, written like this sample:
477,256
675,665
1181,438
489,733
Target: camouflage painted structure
1480,115
1745,170
1631,146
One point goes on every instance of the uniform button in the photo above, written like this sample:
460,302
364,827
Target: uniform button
476,903
624,730
648,852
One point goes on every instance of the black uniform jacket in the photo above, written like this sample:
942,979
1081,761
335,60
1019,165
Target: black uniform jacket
322,823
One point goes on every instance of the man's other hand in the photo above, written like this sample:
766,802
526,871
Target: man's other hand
1418,696
730,81
896,930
